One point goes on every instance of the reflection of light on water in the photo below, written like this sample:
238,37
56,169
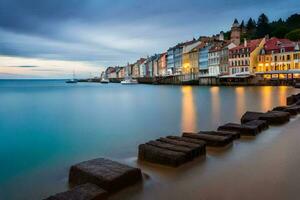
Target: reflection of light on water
266,98
282,95
240,100
189,117
215,94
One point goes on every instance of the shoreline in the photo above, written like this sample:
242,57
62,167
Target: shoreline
250,169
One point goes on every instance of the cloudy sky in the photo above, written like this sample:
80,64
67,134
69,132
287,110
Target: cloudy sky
51,38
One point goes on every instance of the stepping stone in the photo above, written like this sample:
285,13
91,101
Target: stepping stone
242,129
292,99
86,191
191,140
109,175
293,110
250,116
234,134
211,140
197,149
260,124
161,156
187,151
271,117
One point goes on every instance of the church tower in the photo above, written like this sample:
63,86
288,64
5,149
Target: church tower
235,36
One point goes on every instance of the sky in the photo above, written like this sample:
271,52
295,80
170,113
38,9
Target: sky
53,38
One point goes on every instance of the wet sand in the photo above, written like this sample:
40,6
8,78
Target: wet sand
264,167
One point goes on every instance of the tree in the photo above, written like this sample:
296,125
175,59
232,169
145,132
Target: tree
293,22
280,32
250,27
278,29
263,26
294,35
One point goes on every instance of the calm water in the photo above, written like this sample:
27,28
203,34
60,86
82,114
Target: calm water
45,126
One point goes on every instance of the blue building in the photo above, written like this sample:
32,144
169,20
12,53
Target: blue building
203,59
170,61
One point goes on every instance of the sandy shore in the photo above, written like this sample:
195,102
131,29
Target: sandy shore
265,167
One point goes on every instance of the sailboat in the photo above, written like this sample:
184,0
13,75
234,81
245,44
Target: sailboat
73,80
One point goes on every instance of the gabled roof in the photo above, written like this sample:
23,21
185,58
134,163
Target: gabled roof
274,44
251,44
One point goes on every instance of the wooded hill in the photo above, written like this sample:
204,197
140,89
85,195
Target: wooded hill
289,28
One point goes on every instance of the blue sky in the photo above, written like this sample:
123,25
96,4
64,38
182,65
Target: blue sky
51,38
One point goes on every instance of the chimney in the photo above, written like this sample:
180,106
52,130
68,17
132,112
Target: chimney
245,42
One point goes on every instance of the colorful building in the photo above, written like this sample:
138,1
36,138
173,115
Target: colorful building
136,67
243,58
203,59
121,72
162,64
224,58
190,63
277,54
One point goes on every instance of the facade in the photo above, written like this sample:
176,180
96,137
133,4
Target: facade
243,58
142,69
224,58
111,72
203,59
170,61
121,72
214,55
278,54
136,70
162,64
136,67
178,59
189,58
156,65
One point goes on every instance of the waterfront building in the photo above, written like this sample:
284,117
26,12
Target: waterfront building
162,64
111,72
170,61
243,58
235,34
224,58
214,55
151,66
135,70
278,54
178,59
156,65
136,67
121,72
142,69
190,57
203,59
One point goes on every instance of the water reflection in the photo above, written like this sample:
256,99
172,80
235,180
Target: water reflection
189,115
240,100
283,93
267,98
215,102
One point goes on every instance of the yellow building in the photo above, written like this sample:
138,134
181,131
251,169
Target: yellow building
278,55
190,58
